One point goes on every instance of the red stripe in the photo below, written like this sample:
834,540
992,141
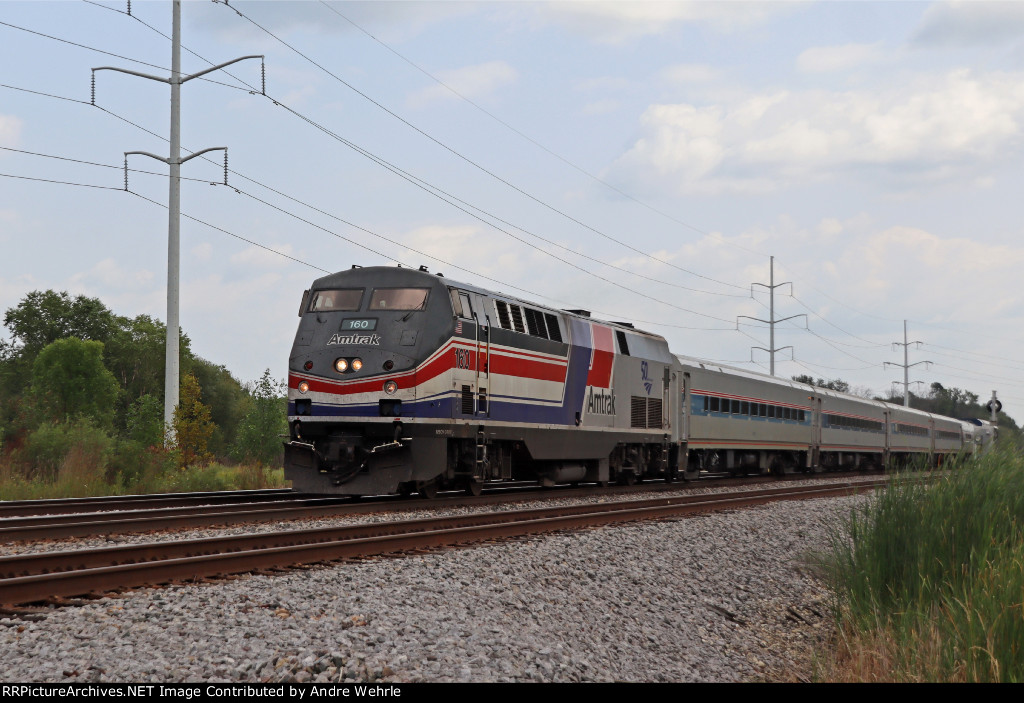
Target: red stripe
602,356
533,367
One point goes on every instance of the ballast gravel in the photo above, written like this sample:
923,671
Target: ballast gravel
720,597
385,515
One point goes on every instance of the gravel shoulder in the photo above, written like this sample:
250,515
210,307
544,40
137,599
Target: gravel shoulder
719,597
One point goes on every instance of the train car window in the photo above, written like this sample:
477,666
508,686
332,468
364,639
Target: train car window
762,410
399,299
456,303
744,407
503,318
801,417
623,345
535,323
735,407
554,331
467,305
707,403
715,405
329,300
517,318
771,411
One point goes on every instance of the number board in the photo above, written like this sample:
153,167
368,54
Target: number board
359,324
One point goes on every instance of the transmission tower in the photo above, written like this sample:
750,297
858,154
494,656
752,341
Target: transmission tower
771,286
906,366
174,160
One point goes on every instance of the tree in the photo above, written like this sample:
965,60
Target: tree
834,385
192,425
43,317
258,432
69,380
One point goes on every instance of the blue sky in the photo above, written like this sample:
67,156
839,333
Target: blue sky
670,148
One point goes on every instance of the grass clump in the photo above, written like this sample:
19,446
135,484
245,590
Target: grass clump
77,459
929,579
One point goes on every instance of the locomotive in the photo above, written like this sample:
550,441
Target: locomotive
403,381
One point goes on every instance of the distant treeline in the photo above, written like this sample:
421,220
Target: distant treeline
76,377
951,402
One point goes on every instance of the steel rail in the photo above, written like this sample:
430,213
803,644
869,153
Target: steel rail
21,529
58,506
33,577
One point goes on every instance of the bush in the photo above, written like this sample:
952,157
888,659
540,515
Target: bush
929,578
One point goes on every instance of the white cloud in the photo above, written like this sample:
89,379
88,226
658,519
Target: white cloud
620,22
930,130
601,107
691,73
470,81
259,257
203,252
826,59
109,274
971,24
10,130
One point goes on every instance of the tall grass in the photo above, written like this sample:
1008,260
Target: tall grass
79,459
929,579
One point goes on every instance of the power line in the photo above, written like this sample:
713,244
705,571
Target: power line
533,141
424,185
375,234
470,161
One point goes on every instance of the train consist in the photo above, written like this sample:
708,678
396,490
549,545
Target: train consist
402,381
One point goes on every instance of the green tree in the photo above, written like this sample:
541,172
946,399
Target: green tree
834,385
266,418
69,380
223,395
192,425
43,317
146,421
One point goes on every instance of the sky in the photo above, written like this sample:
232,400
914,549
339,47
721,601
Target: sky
643,160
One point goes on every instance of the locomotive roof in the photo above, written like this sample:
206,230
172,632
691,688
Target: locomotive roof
789,383
396,273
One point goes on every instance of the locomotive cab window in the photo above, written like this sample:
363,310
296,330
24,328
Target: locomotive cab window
329,300
399,299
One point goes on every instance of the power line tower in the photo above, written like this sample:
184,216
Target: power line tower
174,160
771,286
906,366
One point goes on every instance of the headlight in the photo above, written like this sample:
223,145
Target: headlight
390,387
357,364
341,365
303,387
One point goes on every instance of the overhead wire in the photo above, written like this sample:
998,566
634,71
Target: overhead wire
466,159
533,141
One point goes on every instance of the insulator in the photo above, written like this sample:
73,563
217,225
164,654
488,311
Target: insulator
94,87
225,167
263,75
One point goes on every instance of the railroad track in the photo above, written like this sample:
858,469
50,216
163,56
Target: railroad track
168,512
31,578
58,506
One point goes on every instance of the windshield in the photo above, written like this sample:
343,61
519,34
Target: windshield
326,300
399,299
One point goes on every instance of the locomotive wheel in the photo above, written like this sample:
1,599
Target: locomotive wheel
406,489
627,478
474,488
428,490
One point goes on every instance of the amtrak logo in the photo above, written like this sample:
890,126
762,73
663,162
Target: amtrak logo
600,403
355,339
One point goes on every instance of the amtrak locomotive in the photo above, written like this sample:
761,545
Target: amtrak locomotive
404,381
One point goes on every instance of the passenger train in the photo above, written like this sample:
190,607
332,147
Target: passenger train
403,381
